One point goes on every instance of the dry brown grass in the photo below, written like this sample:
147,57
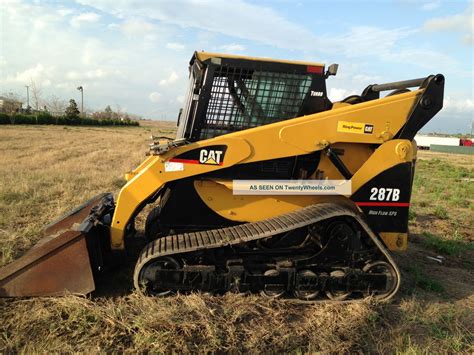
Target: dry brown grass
183,323
45,171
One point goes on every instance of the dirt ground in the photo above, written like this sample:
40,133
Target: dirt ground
45,171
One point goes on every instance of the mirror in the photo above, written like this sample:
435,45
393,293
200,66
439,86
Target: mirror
332,70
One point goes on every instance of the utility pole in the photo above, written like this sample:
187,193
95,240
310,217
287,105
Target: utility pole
81,89
27,97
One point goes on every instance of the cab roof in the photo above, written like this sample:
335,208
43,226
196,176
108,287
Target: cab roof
203,56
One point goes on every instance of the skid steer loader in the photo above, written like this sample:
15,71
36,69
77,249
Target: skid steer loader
260,119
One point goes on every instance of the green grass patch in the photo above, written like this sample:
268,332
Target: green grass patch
454,246
441,329
441,212
440,183
424,282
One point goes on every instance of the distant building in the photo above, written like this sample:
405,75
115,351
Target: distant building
8,105
425,142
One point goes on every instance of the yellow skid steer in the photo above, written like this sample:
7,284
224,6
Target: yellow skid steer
259,120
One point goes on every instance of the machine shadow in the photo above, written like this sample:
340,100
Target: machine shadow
117,278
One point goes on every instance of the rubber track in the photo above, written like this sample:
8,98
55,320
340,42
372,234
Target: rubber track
217,238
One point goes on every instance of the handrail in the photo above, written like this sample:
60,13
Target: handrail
397,85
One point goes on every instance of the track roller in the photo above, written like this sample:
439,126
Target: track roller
306,278
272,290
384,268
338,295
147,280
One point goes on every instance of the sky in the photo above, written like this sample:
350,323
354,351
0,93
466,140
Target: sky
134,55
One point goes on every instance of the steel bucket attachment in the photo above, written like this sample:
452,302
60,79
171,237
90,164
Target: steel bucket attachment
67,257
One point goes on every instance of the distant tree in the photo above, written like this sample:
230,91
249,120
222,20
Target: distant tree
135,117
36,94
72,112
12,96
56,105
108,112
12,105
119,114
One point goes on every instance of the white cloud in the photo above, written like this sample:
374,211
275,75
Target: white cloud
92,53
114,68
120,65
137,27
39,24
463,23
64,12
39,73
384,44
368,40
180,99
73,75
154,96
459,105
66,86
337,94
175,46
264,25
97,73
274,30
232,48
86,17
173,77
430,6
364,78
456,116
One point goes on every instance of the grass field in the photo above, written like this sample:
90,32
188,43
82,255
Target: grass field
45,171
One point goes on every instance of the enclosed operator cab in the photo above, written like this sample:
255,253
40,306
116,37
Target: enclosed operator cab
230,93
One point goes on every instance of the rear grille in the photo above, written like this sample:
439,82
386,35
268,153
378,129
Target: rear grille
244,98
